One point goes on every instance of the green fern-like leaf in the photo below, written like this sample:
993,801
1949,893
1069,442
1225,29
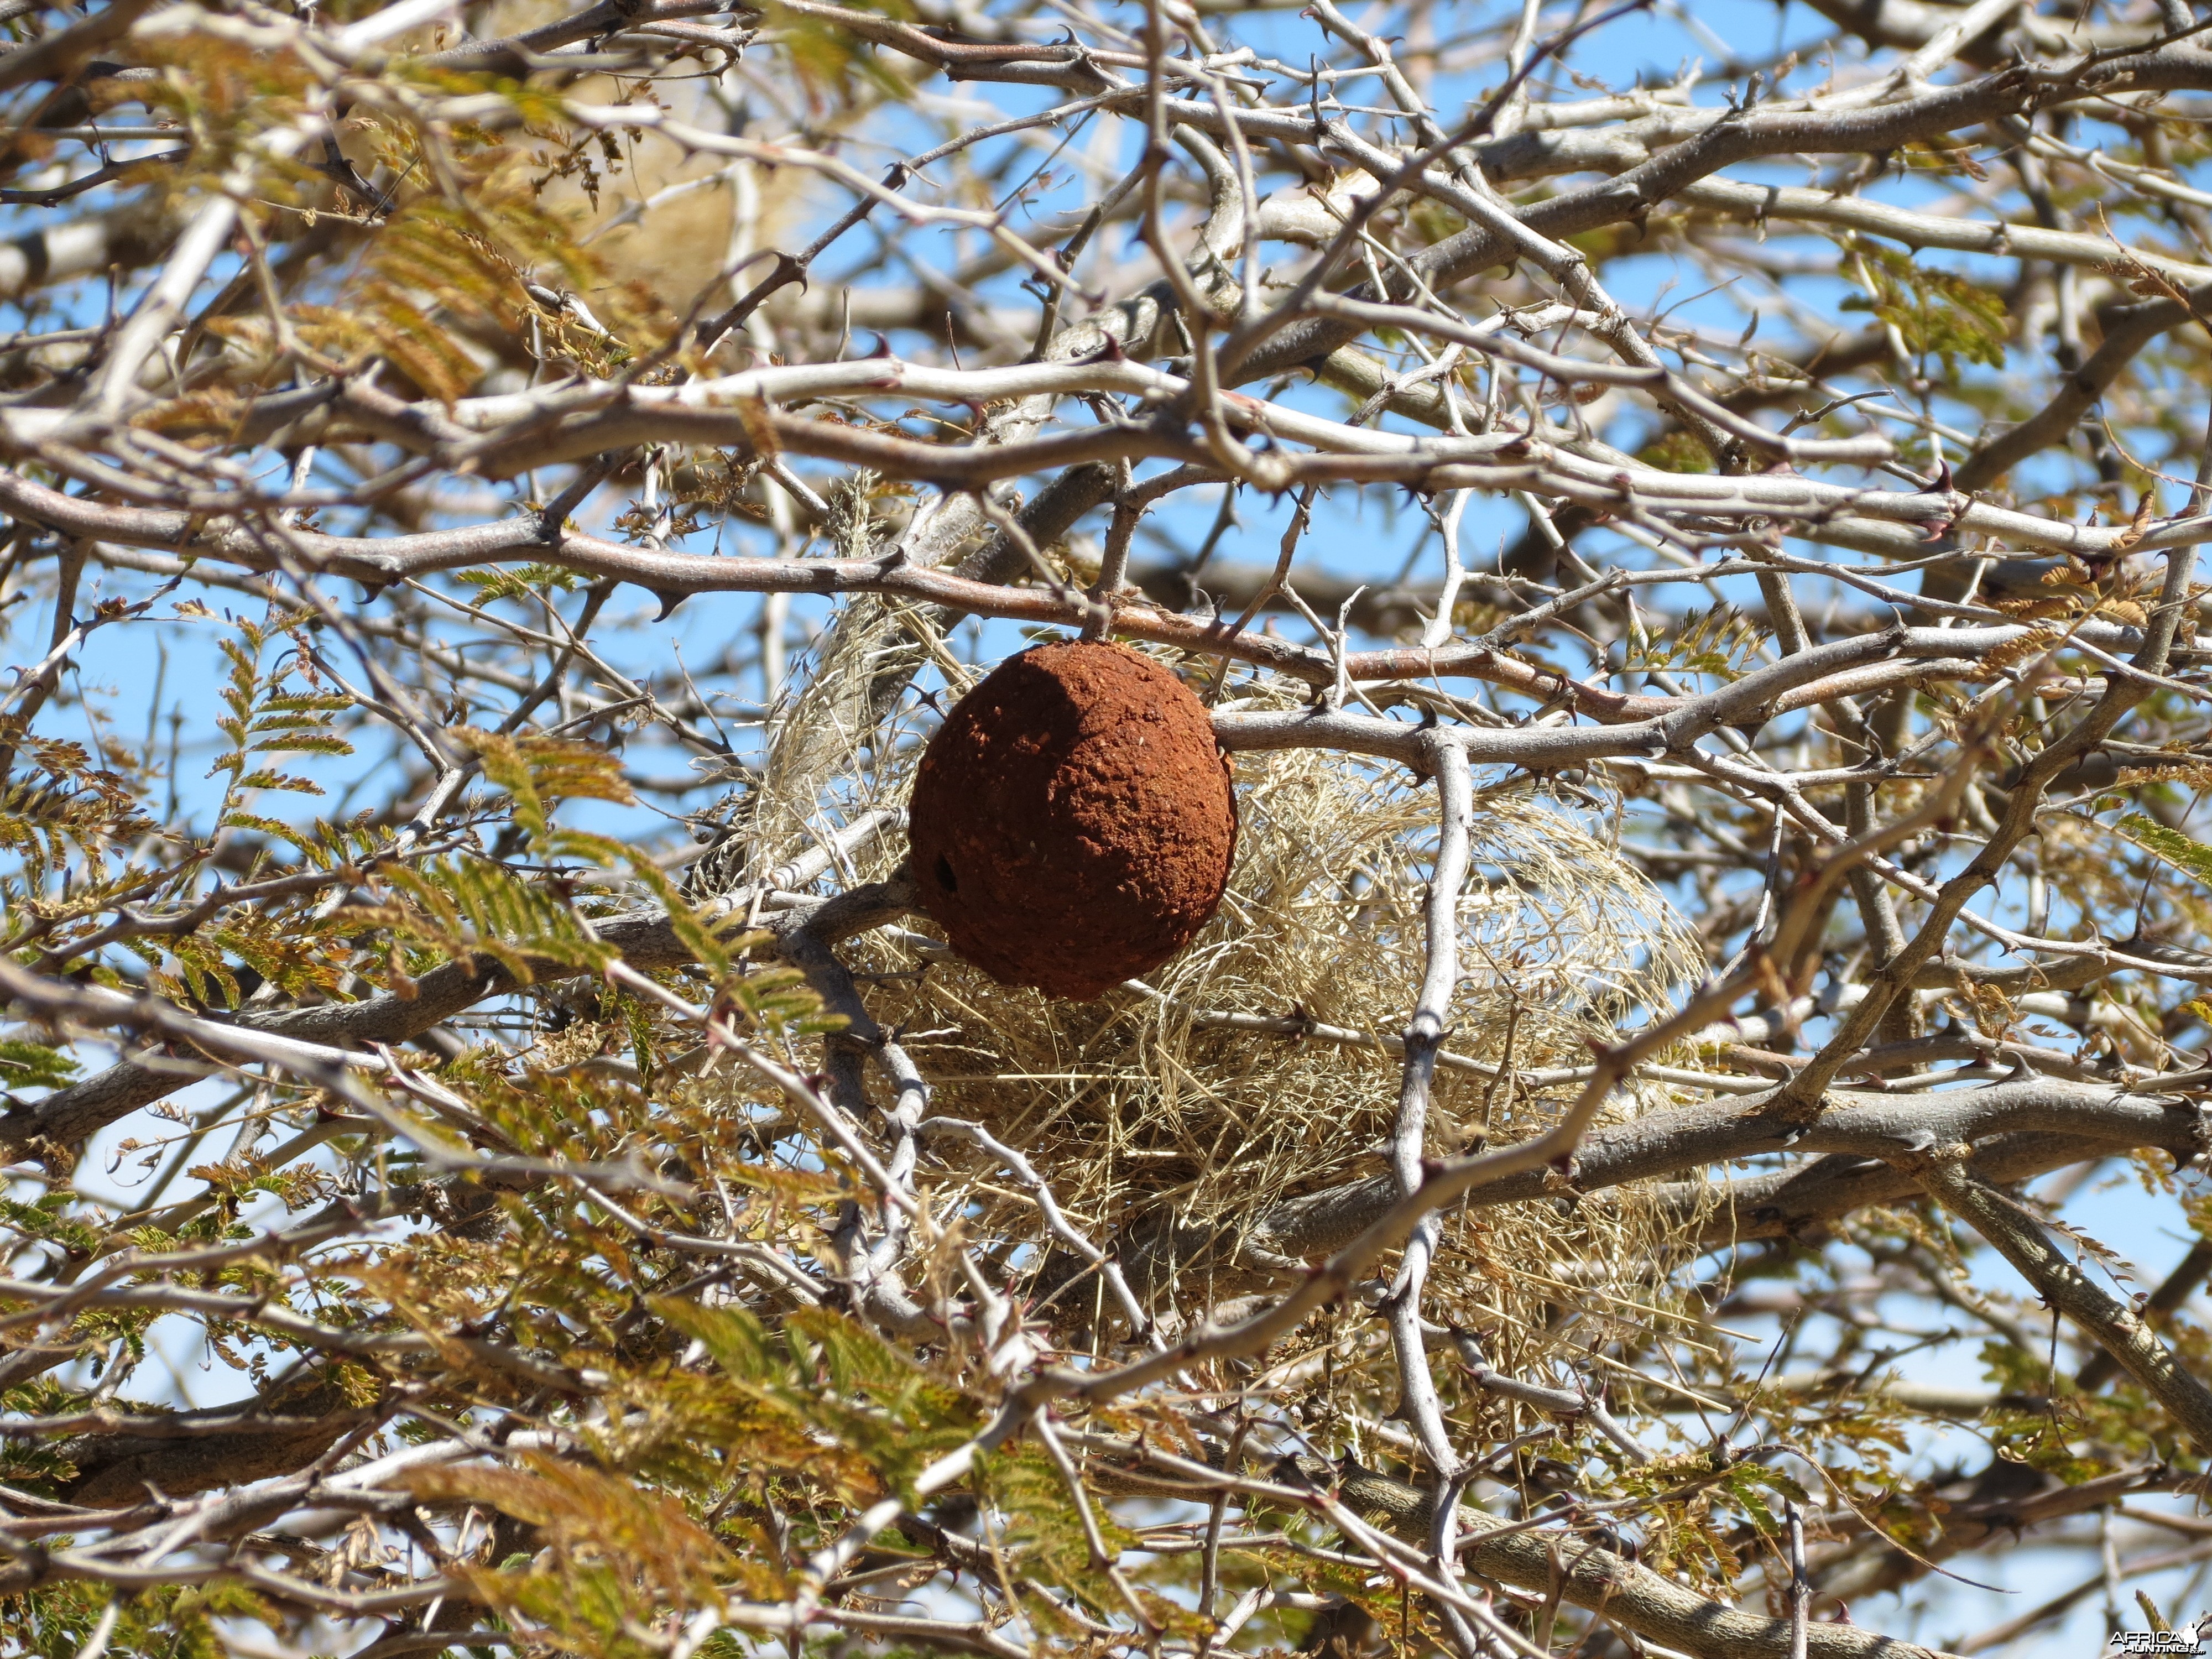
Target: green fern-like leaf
1933,309
2192,858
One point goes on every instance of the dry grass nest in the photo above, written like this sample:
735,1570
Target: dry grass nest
1146,1109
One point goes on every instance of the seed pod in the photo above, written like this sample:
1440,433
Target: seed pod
1073,821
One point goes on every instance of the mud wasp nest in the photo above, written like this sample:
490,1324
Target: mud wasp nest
1073,821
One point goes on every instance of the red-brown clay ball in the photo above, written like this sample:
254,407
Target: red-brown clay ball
1073,821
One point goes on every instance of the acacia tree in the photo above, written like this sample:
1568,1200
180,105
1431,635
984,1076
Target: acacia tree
502,1162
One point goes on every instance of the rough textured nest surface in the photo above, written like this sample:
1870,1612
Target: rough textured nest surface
1072,821
1163,1117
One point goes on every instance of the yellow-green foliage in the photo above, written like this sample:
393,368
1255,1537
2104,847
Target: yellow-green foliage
1933,309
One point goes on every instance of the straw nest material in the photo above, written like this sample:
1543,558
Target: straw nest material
1191,1109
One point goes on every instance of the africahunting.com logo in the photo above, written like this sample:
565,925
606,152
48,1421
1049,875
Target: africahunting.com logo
2189,1639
